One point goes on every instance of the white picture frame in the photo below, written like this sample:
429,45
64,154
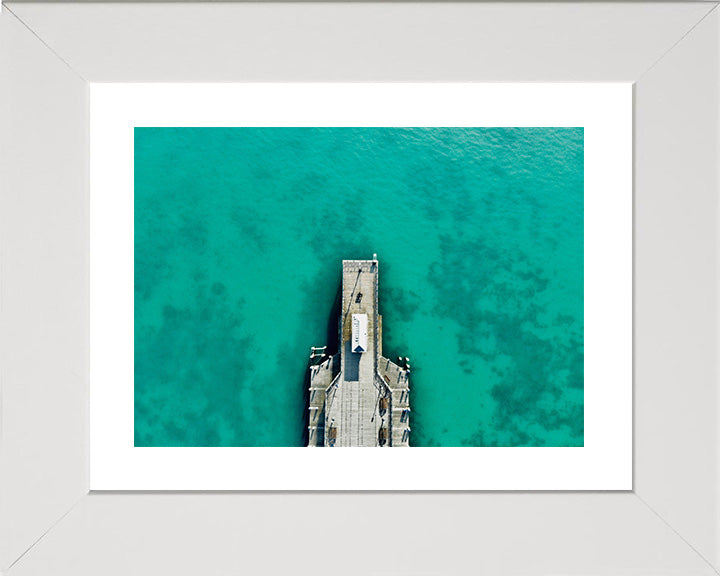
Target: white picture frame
51,523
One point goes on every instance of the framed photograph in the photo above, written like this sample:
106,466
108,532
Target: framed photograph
483,232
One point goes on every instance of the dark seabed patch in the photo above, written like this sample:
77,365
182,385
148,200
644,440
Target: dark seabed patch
192,380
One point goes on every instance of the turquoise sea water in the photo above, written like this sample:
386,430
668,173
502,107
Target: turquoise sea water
239,238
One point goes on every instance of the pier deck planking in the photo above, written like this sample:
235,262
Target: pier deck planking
365,401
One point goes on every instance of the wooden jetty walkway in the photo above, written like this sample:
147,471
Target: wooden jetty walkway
358,397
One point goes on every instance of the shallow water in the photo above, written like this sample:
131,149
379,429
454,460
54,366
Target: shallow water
239,237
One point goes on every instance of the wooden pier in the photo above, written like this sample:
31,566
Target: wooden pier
358,397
